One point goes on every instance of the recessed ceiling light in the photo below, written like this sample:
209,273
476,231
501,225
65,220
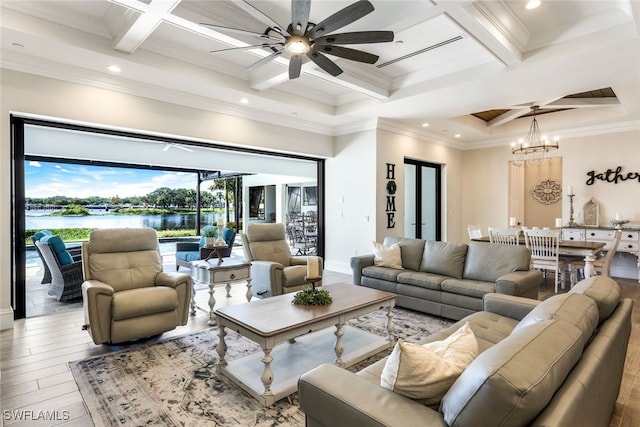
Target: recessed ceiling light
425,125
532,4
244,101
457,135
114,68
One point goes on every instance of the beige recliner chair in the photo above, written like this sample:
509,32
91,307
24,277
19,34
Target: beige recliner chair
274,271
126,293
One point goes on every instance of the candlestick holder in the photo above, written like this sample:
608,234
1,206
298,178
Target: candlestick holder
313,281
571,222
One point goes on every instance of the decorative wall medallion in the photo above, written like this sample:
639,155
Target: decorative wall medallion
547,192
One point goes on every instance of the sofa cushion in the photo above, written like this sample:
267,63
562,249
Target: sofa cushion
384,256
425,372
157,299
411,250
579,310
59,249
489,261
383,273
511,382
470,288
422,280
188,256
443,258
603,290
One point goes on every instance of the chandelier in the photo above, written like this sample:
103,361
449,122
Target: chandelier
535,147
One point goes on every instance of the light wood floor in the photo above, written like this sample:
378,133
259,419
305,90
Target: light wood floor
35,377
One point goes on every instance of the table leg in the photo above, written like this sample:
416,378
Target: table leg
221,349
339,348
389,325
588,266
193,296
212,303
228,289
249,293
267,373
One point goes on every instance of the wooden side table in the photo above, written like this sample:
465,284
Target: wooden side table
212,273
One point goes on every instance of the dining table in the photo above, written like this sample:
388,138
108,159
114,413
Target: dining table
588,250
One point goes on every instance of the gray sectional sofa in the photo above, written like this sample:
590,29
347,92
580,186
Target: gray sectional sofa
450,279
554,363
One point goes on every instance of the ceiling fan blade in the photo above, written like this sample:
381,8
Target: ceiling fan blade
254,46
346,53
300,10
264,60
358,37
239,31
325,63
343,17
295,65
260,16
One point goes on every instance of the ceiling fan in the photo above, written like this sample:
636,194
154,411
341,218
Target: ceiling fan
304,38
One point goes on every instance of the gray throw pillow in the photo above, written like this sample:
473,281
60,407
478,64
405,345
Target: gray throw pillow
444,258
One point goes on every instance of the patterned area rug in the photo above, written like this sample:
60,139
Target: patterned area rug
174,382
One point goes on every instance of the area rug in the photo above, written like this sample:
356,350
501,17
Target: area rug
175,383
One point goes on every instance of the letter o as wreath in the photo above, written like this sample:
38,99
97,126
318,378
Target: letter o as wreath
391,187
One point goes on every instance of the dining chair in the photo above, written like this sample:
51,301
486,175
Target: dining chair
545,252
475,231
601,265
505,236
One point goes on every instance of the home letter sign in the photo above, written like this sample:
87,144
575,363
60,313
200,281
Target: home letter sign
391,195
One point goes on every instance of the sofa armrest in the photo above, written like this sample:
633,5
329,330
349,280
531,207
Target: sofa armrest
182,284
97,298
332,396
520,283
508,305
357,264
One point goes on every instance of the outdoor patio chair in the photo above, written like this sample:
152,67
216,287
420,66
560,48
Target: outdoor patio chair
65,272
126,293
75,254
274,271
186,252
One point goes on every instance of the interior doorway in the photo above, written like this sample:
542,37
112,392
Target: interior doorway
422,199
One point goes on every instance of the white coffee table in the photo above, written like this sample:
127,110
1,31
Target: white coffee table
307,336
212,272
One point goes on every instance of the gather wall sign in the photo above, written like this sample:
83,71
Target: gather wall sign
614,176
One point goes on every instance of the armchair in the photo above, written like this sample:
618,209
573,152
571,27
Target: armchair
75,254
65,273
274,270
126,293
194,251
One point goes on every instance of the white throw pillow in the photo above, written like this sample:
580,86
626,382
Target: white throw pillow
387,256
426,372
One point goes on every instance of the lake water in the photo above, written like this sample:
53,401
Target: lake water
40,220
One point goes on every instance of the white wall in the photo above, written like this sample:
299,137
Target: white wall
393,148
25,93
486,179
350,199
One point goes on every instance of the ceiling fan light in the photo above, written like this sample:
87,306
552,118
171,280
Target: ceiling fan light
297,45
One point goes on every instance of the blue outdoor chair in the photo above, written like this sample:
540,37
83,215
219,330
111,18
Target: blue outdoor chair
186,252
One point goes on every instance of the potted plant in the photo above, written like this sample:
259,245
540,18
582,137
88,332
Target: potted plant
210,233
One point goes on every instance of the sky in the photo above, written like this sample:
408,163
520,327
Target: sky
45,179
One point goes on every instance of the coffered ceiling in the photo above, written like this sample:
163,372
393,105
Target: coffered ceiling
449,60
